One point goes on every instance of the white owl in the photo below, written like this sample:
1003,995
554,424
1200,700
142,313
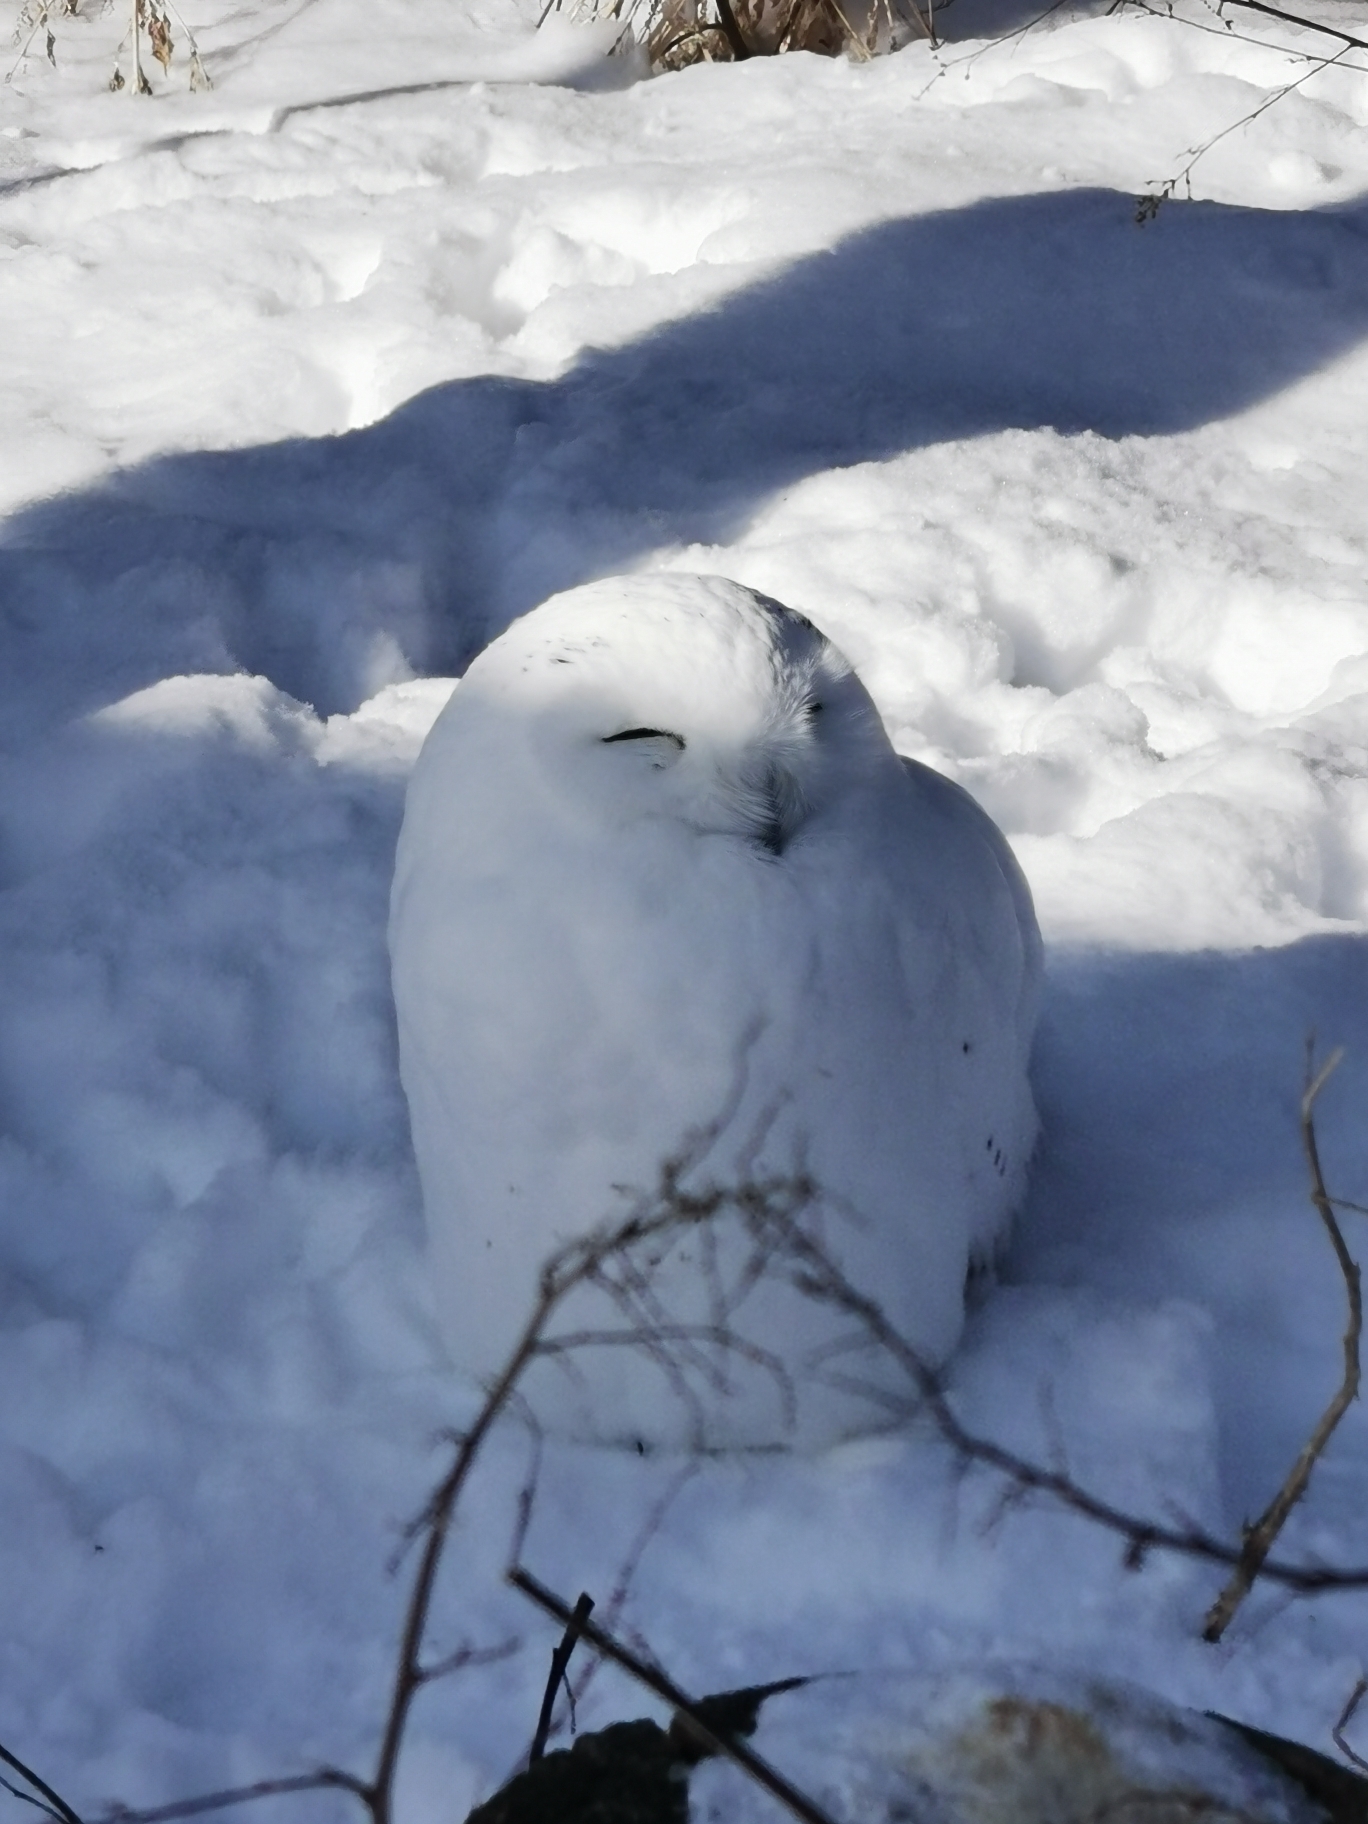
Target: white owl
661,868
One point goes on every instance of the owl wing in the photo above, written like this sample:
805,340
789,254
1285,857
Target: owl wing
996,957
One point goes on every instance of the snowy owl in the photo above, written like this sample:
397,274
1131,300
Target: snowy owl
661,872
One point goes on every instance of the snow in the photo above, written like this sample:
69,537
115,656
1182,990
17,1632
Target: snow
1020,1748
308,385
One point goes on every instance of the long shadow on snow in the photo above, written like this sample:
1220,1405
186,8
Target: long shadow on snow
308,561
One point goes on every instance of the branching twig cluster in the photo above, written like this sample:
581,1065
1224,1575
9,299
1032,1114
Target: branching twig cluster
619,1259
823,1279
655,1680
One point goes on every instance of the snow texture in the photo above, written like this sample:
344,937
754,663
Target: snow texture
310,385
663,886
1009,1744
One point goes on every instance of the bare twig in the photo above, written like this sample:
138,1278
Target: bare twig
560,1660
29,1798
1311,25
668,1207
1346,1716
601,1258
324,1779
1259,1538
617,1259
746,1758
1148,206
56,1804
527,1494
817,1274
646,1532
408,1677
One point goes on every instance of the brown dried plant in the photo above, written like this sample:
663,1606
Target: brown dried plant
148,31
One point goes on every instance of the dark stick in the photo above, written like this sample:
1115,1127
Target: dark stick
731,31
746,1758
54,1799
1312,25
560,1659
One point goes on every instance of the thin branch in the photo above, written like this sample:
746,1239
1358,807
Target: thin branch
671,1347
580,1261
408,1677
1147,206
1225,31
527,1493
1259,1538
745,1757
1312,25
560,1661
822,1279
324,1779
995,44
1346,1716
54,1799
617,1597
609,1258
28,1798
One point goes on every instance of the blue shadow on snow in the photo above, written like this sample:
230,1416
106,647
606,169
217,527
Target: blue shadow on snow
475,499
1171,1167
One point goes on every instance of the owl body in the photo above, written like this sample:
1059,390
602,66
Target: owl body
662,876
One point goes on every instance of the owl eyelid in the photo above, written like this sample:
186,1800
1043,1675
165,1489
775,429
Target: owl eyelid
645,734
812,710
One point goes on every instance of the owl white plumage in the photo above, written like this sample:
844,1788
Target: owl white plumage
661,871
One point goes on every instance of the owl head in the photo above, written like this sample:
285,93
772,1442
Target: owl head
682,698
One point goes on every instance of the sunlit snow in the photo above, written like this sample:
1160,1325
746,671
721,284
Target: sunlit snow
308,385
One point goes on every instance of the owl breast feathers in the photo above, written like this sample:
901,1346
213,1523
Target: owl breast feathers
664,887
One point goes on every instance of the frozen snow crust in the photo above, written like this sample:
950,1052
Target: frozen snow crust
300,405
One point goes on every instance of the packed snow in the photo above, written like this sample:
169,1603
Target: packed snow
310,384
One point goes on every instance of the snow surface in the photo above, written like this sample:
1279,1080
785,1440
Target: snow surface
1021,1746
307,386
